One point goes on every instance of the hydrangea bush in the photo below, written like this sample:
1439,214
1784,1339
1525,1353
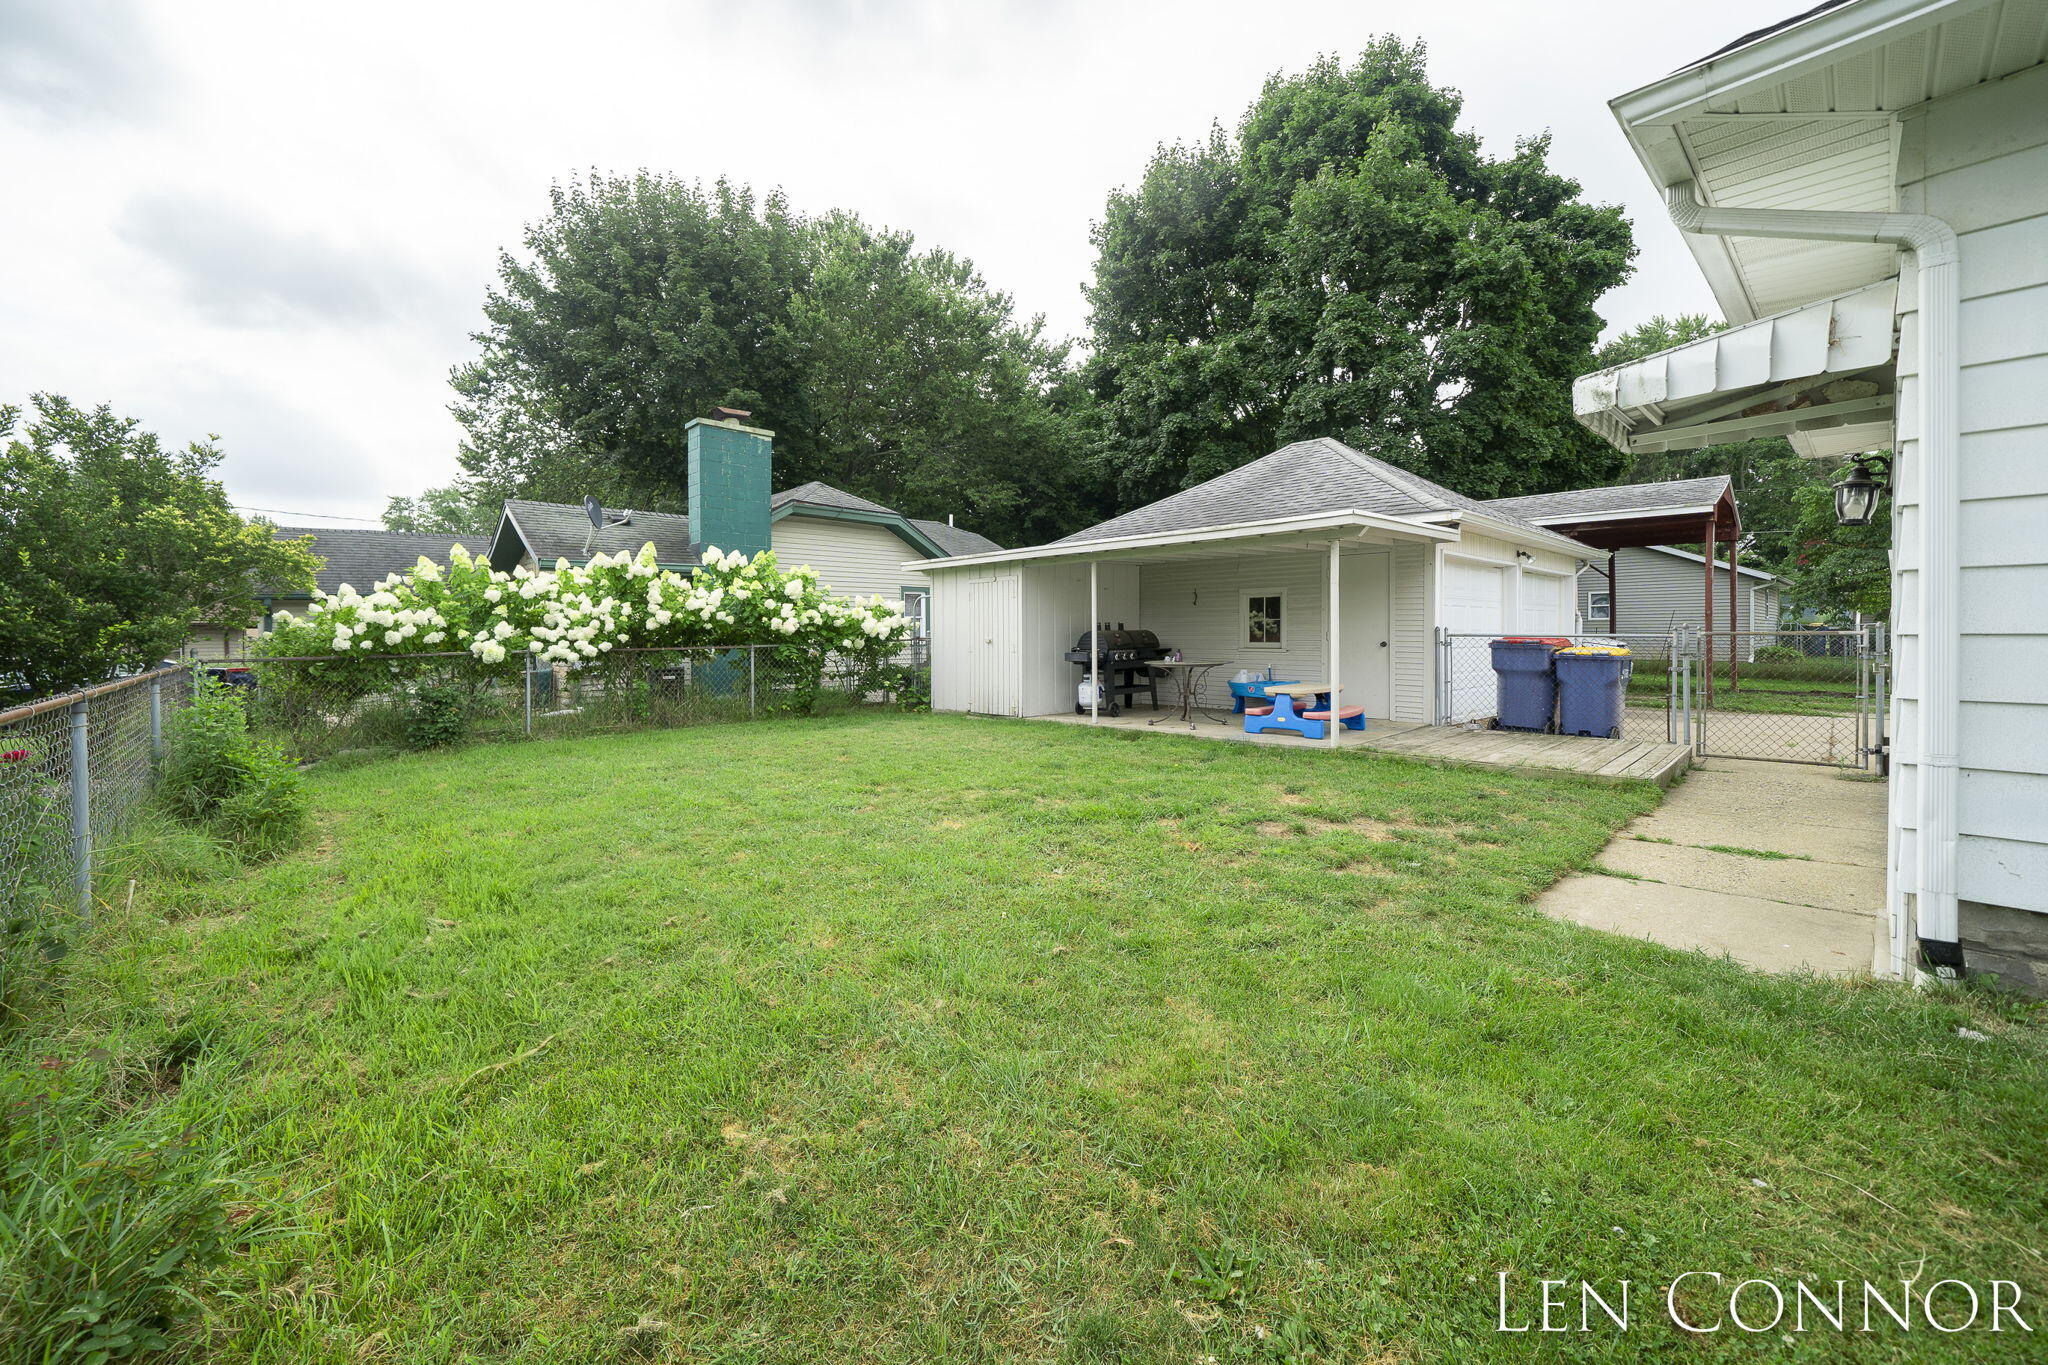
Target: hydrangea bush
584,616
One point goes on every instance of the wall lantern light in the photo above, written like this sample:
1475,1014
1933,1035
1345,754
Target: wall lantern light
1857,494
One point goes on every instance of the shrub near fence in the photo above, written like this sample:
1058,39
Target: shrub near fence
416,701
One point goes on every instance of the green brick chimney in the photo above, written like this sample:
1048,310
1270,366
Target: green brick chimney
729,474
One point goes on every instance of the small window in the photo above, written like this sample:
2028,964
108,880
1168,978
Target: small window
1597,608
917,605
1263,617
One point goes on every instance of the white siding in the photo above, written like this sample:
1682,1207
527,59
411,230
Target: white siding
977,632
1979,160
1659,592
853,558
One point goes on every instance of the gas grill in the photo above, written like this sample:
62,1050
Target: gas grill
1122,656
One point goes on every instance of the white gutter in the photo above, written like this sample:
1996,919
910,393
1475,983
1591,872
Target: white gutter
1155,540
1933,244
1634,513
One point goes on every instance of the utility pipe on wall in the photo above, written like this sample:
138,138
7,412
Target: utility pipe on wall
1939,302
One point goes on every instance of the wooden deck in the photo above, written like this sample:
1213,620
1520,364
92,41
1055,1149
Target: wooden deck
1613,759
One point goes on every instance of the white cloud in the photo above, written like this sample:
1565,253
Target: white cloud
278,221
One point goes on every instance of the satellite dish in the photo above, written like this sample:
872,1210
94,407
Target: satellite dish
594,509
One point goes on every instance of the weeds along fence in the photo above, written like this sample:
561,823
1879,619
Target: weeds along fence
73,769
320,706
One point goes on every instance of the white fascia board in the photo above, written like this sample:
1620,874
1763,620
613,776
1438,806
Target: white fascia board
1784,56
1420,527
1634,513
1519,535
1649,114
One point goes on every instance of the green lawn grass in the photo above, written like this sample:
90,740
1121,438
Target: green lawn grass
923,1038
1755,690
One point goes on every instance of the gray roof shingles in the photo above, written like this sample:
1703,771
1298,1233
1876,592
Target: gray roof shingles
955,540
1596,502
825,495
360,557
560,530
1299,480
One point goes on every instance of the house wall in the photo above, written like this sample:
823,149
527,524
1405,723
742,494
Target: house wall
1979,161
854,558
1659,592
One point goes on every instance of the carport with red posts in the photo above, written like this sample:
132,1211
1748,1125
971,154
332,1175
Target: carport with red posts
1680,512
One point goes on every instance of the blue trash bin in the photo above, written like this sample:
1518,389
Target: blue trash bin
1592,687
1527,688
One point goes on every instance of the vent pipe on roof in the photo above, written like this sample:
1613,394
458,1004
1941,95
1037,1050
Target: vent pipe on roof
1933,244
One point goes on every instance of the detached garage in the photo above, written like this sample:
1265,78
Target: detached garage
1317,561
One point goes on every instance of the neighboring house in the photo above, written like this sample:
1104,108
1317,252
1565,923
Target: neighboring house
1662,593
356,557
857,546
1246,570
1865,188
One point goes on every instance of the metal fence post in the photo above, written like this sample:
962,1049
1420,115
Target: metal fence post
529,696
1685,697
1443,675
156,720
81,808
753,652
1671,689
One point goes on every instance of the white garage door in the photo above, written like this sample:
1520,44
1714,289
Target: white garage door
1472,606
1543,606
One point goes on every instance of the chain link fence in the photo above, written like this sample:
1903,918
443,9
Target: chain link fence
1468,689
1794,696
317,707
73,769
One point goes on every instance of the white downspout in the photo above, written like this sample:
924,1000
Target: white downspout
1933,244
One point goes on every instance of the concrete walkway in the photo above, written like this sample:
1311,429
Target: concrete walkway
1818,907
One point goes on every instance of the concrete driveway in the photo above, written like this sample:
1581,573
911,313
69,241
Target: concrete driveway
1779,866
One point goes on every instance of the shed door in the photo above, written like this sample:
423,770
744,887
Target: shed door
991,641
1543,606
1472,607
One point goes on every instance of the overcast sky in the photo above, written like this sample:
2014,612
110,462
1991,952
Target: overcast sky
276,222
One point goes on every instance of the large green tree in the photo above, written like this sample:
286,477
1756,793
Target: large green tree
111,547
1350,263
641,302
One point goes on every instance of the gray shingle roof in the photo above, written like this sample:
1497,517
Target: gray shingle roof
955,540
825,495
1299,480
560,530
1594,502
361,557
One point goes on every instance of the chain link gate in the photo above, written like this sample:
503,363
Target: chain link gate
1787,696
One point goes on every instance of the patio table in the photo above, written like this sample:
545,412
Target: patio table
1189,673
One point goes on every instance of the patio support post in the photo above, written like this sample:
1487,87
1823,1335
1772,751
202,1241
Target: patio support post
1094,645
1707,620
1336,619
